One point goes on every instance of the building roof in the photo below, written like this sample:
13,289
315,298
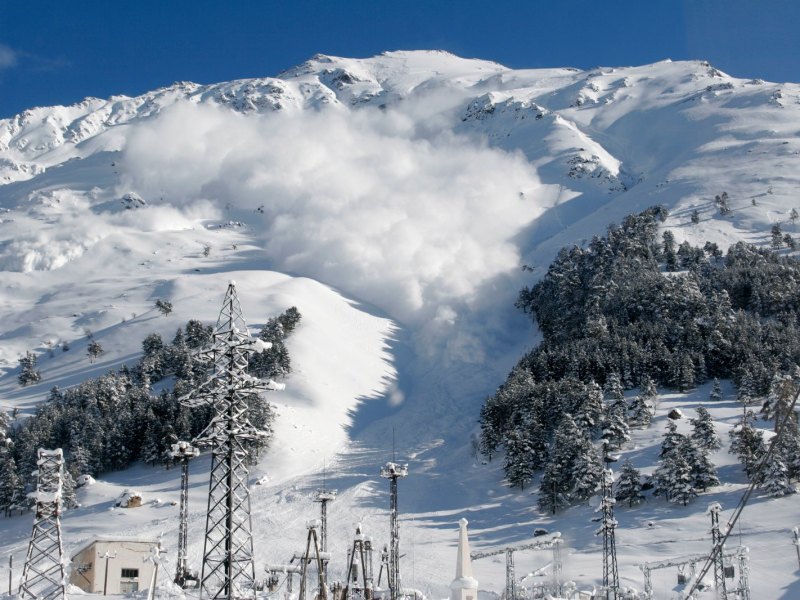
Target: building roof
114,538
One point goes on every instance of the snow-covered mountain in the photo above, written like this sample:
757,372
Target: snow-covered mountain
393,200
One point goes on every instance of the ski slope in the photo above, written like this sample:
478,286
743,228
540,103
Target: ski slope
393,200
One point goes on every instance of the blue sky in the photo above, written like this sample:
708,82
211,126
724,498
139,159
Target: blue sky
58,52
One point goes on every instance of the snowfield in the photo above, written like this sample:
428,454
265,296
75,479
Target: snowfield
393,200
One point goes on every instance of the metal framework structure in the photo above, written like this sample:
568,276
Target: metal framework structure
394,471
551,543
607,528
228,570
321,559
742,591
359,564
719,562
183,452
43,574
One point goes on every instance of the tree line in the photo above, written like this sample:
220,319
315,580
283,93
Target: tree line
633,309
106,423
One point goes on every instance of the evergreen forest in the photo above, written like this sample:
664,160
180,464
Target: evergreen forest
633,309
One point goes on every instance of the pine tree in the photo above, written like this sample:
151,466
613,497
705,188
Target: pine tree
164,307
9,482
641,414
558,480
94,350
775,479
587,471
680,489
518,465
703,433
613,388
629,485
716,391
554,489
778,404
671,439
747,443
615,428
702,470
68,490
588,416
28,373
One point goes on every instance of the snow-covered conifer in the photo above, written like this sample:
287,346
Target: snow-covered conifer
778,404
9,481
613,388
703,472
615,428
28,373
703,432
716,391
641,413
629,485
747,443
164,306
94,350
775,480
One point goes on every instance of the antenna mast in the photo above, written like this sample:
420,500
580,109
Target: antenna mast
394,471
228,569
609,524
183,452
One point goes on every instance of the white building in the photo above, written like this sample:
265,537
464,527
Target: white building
128,569
464,586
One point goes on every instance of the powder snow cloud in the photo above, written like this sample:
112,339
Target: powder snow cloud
419,224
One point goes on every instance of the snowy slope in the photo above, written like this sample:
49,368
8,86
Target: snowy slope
393,200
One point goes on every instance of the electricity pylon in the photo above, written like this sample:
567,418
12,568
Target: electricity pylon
228,569
43,574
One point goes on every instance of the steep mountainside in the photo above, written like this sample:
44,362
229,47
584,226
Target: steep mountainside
393,200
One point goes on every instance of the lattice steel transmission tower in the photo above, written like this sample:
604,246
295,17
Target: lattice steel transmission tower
394,471
607,527
719,560
183,452
43,574
228,569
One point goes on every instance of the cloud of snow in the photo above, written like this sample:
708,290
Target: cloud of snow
417,221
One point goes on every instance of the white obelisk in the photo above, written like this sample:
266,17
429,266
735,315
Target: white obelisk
464,586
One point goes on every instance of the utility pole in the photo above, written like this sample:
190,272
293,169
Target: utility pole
11,572
43,574
107,556
228,568
183,452
394,471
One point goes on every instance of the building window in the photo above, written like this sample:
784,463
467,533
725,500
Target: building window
127,587
130,573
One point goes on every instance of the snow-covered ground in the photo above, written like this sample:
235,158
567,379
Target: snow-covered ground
393,200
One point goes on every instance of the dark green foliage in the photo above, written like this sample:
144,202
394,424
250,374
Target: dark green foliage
28,373
164,306
573,470
747,443
628,488
703,433
106,423
716,391
274,363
